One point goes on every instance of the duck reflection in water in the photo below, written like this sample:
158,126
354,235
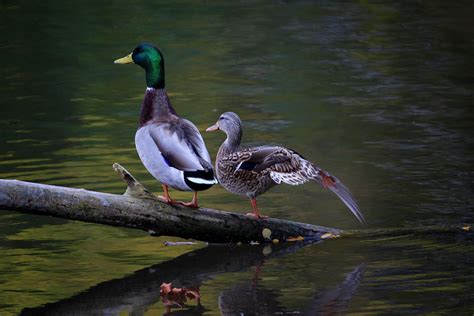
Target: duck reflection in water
249,299
135,294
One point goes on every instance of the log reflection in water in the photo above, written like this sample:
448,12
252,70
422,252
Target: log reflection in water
141,289
135,293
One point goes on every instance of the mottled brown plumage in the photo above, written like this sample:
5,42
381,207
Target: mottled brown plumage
254,170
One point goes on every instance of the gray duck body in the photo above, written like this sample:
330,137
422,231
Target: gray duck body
171,147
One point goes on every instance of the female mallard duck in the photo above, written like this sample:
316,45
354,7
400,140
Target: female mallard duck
252,171
170,147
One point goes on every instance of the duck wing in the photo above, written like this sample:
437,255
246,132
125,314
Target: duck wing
196,142
181,145
266,158
287,166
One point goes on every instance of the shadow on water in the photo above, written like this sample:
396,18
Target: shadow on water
137,292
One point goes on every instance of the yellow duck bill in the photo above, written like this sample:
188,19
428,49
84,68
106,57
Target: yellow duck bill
124,60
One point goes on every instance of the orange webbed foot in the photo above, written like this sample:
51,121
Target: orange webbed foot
257,216
166,199
191,204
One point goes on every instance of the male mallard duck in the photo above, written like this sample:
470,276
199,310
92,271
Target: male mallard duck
170,147
252,171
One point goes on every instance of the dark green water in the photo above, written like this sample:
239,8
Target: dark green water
378,93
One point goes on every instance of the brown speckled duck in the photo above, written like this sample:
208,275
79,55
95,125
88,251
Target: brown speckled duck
252,171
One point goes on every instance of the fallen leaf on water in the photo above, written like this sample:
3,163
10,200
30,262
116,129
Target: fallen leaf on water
165,288
329,235
176,291
192,295
299,238
266,233
466,228
177,296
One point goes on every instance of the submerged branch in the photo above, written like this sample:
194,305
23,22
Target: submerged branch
406,231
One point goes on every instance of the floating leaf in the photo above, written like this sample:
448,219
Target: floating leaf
192,295
298,238
266,233
329,235
165,288
176,296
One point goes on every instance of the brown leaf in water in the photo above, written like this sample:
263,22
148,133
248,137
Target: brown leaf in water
299,238
192,295
176,295
165,288
328,236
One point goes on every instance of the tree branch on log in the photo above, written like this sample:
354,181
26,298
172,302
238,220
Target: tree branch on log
138,208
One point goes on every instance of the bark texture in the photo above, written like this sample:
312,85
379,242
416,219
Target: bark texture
140,209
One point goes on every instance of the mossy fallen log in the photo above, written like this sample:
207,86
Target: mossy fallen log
139,209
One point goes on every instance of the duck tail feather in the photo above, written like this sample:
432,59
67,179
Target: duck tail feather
335,185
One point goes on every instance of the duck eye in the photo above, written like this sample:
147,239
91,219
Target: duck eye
221,118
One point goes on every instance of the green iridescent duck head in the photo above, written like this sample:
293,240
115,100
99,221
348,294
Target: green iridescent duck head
151,59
